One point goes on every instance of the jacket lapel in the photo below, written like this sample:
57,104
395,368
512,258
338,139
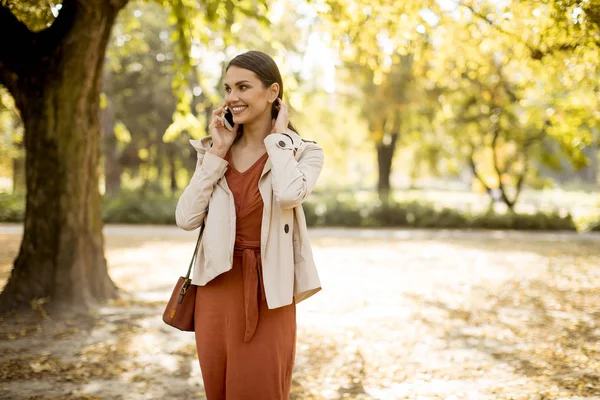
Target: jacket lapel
266,168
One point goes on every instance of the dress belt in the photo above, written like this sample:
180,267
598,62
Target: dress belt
250,252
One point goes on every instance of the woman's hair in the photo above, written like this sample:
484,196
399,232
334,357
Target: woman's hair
267,71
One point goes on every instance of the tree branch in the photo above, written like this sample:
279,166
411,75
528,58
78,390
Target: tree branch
475,172
501,187
521,180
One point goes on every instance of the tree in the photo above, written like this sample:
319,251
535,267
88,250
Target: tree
509,113
385,107
54,75
380,54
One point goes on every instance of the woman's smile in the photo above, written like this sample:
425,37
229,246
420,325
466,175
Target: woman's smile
238,109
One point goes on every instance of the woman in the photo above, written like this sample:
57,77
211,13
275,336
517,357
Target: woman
255,262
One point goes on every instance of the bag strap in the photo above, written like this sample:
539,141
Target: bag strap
187,276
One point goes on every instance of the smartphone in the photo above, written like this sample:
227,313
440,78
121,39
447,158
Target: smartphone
228,119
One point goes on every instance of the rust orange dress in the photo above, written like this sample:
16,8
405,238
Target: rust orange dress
246,351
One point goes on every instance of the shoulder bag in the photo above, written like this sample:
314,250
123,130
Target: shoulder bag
180,308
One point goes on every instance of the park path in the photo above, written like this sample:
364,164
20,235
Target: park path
404,314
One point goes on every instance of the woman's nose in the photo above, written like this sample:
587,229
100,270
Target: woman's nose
231,97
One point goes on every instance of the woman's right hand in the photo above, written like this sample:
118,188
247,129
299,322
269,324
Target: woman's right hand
222,137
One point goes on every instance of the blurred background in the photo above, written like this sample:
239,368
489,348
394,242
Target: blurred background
434,113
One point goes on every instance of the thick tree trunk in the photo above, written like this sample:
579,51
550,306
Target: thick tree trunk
385,156
62,251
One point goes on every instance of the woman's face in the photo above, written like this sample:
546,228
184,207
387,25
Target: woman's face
246,96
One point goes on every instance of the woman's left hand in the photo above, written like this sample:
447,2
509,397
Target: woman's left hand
281,123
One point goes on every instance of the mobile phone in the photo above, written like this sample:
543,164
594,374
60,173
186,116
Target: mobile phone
228,119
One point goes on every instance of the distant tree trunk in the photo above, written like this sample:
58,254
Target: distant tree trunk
589,174
18,173
385,156
55,78
173,168
112,164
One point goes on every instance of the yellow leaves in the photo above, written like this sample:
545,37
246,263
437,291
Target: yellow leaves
486,95
181,122
377,77
37,304
122,133
447,110
143,154
23,332
486,46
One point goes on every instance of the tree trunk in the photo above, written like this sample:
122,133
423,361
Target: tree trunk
56,87
385,156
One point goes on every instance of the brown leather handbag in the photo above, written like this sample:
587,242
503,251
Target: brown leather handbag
180,309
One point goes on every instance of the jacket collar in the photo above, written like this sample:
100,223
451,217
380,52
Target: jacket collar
205,143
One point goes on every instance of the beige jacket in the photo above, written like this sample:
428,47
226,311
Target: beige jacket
289,175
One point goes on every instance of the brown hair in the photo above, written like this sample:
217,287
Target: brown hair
267,71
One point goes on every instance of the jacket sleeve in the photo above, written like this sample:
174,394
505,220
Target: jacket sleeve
293,180
193,203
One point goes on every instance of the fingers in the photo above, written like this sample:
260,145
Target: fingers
217,119
217,122
219,111
282,106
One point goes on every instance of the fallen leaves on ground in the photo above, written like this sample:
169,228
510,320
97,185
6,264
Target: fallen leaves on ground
414,319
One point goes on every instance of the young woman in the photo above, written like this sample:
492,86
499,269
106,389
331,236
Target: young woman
254,262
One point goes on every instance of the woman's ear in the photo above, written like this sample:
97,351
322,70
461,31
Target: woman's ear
273,92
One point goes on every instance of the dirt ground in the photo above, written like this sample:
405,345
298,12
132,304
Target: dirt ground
403,315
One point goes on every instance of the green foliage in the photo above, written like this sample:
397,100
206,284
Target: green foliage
590,223
538,221
203,27
12,207
415,214
135,207
152,207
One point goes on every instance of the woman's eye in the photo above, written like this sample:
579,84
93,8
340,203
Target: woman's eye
227,90
243,87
